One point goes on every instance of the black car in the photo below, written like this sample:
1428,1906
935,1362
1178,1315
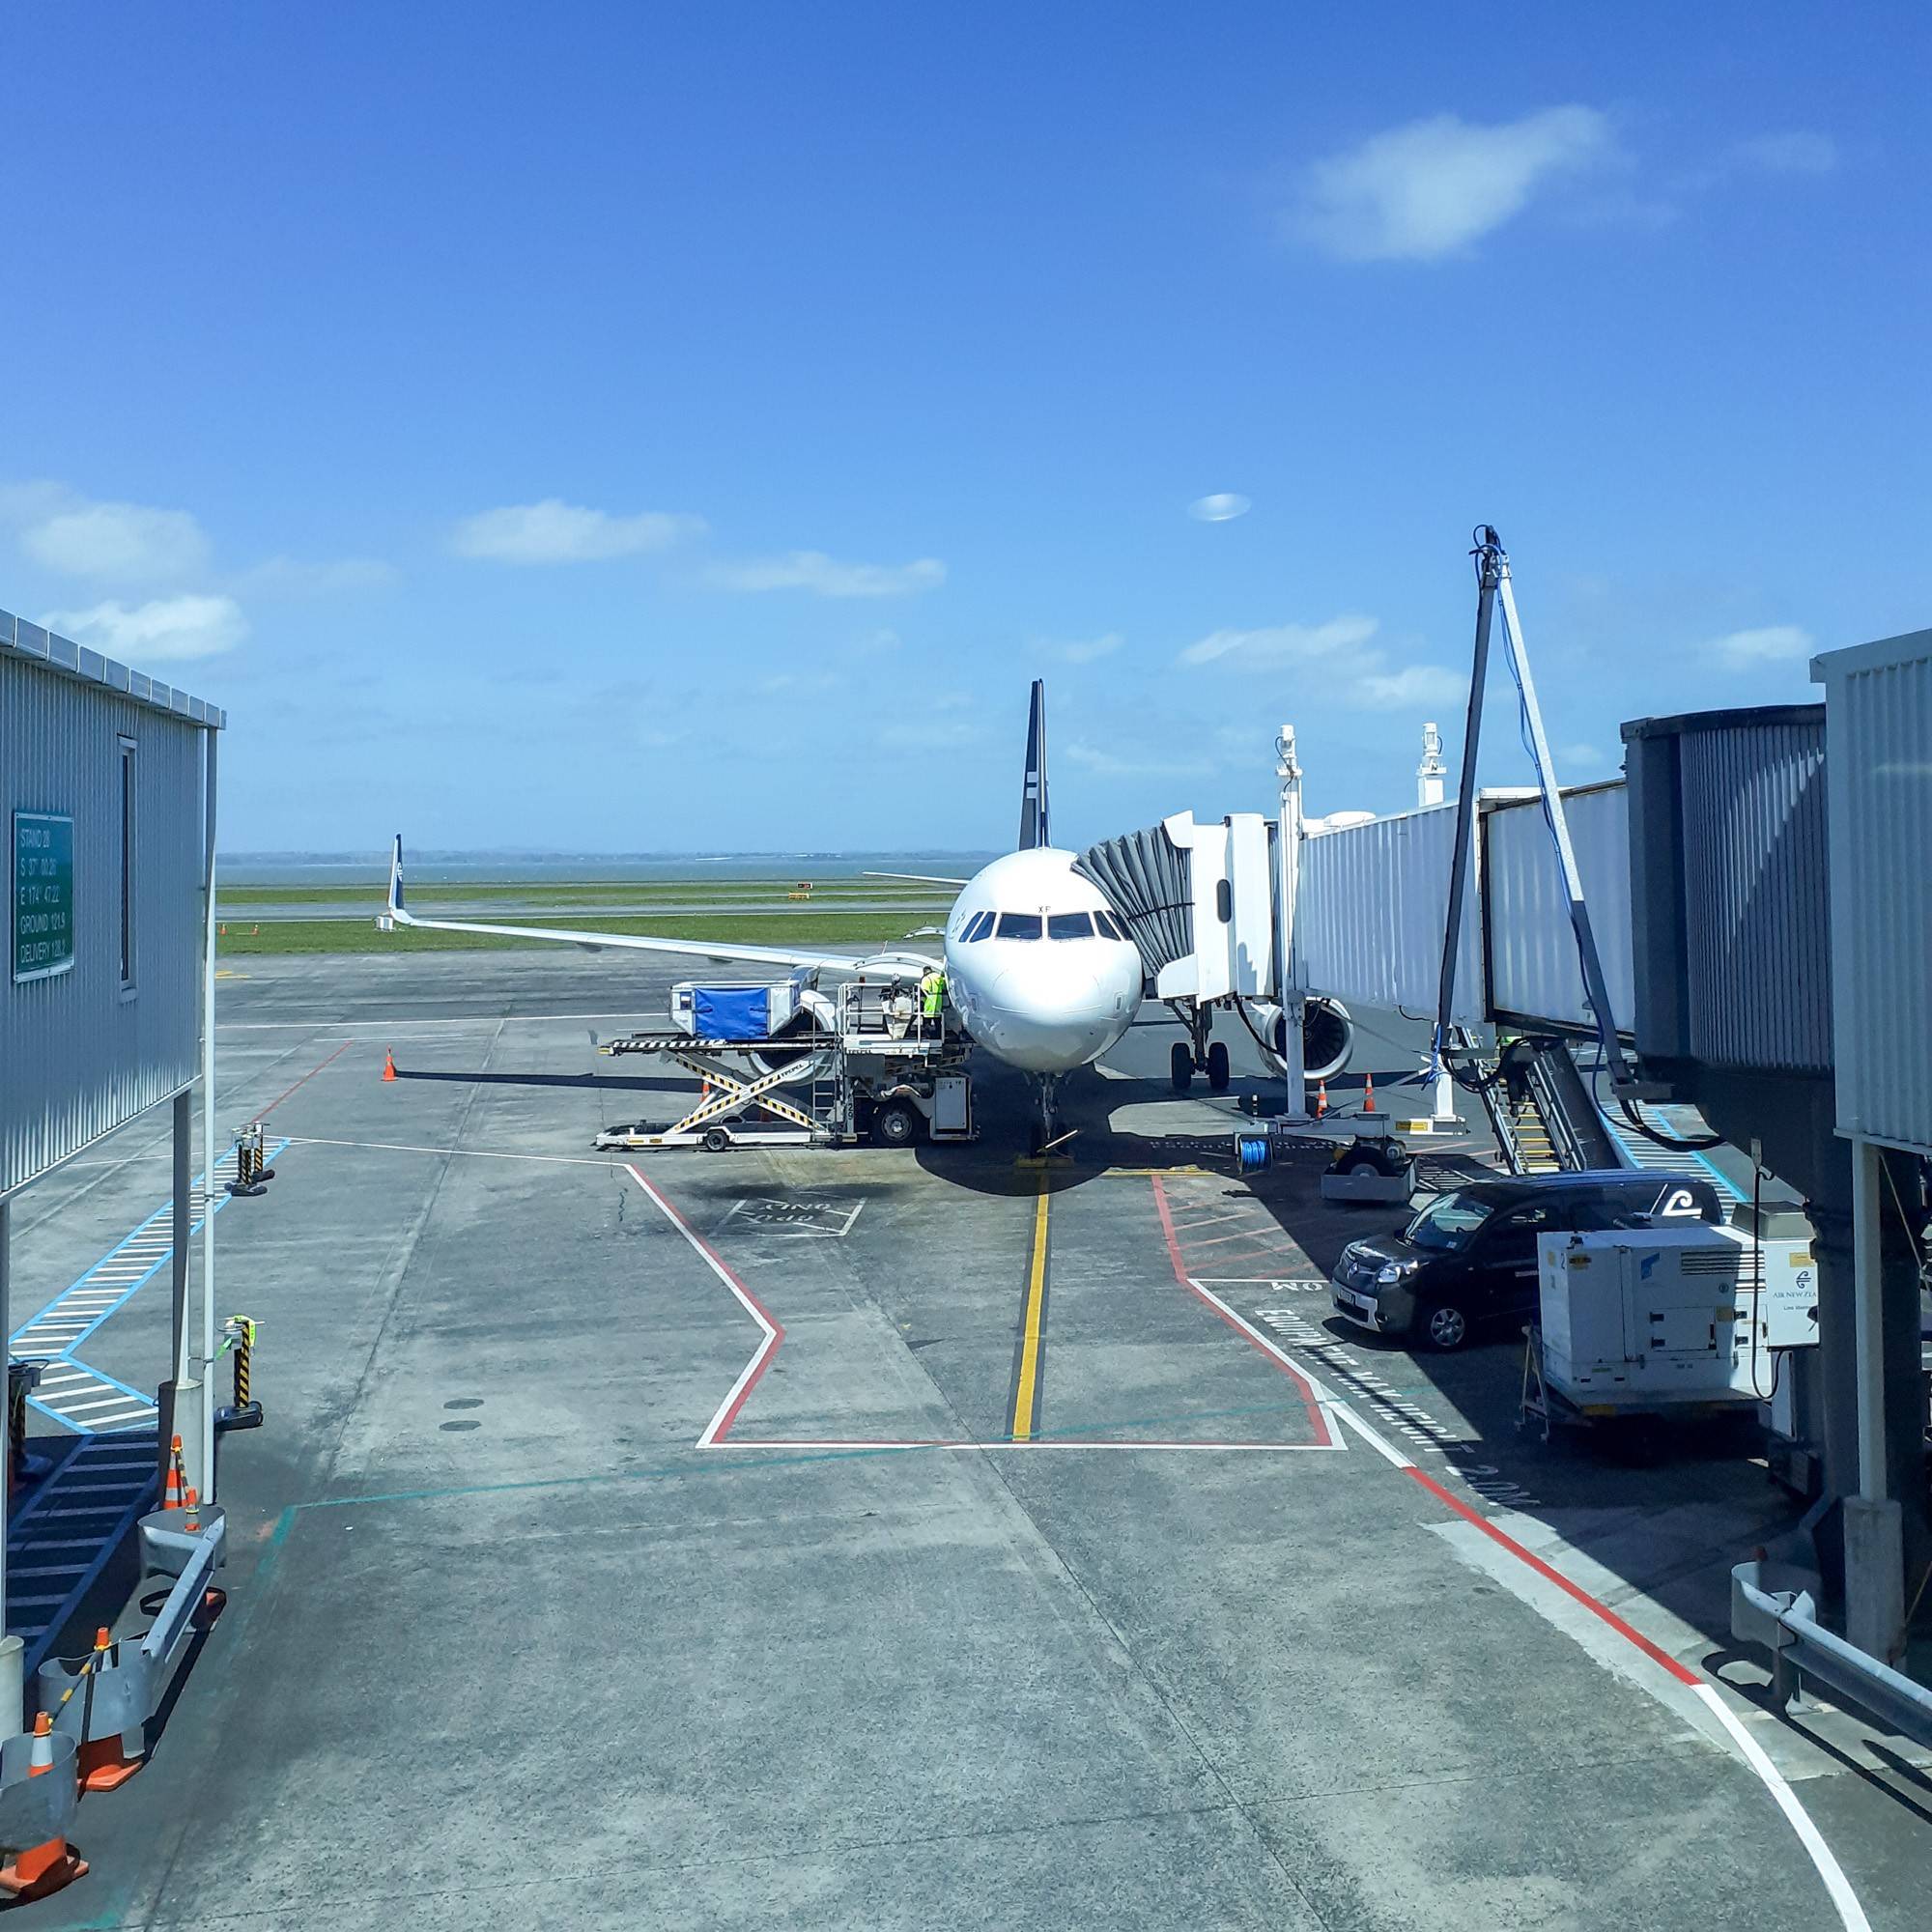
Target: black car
1467,1260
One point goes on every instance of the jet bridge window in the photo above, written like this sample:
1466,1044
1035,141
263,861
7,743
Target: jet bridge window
1069,925
1020,926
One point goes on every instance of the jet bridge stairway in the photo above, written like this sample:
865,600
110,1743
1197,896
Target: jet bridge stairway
1541,1112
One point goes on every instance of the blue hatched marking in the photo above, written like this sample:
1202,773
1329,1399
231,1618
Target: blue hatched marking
162,1216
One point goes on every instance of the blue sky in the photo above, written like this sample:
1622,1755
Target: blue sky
624,427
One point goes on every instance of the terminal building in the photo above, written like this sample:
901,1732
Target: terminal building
109,790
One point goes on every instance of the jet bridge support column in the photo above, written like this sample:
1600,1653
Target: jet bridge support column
1293,1008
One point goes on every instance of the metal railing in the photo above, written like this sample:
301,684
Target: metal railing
1785,1622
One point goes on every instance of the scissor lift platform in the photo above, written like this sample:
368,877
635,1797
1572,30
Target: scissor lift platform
871,1073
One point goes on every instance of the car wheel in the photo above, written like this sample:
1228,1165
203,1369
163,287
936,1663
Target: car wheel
1444,1326
896,1124
1218,1066
1180,1065
716,1140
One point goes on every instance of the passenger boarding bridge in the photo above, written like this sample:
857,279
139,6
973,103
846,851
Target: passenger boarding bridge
1756,960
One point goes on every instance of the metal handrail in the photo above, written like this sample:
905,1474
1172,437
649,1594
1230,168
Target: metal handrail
1785,1622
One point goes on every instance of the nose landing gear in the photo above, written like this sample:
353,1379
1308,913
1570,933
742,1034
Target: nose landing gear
1046,1127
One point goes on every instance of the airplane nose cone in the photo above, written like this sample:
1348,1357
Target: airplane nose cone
1048,1028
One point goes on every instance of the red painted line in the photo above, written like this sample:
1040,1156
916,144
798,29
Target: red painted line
719,1425
1317,1421
1549,1575
262,1111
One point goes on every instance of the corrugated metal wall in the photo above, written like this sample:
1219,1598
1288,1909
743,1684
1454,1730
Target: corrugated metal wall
76,1058
1879,718
1756,896
1369,911
1532,946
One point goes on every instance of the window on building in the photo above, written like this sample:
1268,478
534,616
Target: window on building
127,864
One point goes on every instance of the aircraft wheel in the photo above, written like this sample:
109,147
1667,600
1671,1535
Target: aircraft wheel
1218,1066
1180,1065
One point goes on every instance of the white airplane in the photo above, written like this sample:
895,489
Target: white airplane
1038,966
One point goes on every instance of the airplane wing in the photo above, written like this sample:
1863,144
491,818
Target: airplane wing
724,951
915,878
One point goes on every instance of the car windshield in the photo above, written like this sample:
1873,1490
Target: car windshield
1446,1223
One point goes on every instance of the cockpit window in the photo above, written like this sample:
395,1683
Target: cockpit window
1110,926
977,926
1019,926
1069,925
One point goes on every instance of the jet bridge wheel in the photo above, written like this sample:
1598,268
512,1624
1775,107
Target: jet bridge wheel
1218,1066
1180,1065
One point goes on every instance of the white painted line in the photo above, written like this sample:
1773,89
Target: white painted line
115,1401
771,1334
1034,1442
474,1153
53,1570
461,1019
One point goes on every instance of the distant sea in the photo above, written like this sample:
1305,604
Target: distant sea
454,868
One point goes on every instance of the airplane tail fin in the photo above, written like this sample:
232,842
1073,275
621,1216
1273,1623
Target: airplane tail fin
395,909
1033,794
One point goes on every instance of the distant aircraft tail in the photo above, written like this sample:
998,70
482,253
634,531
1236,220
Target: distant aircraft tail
1033,794
395,907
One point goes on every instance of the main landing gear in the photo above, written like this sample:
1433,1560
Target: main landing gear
1198,1054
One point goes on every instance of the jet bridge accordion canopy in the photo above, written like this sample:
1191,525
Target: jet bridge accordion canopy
1198,899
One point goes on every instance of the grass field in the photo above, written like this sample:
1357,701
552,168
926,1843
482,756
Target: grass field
349,935
591,892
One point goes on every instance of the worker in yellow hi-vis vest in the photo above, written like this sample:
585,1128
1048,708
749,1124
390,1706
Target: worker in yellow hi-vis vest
932,1002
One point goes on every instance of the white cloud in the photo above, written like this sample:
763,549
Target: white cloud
66,532
1220,508
554,531
1417,685
1107,764
1281,644
151,633
1775,643
825,577
1086,650
1432,188
1795,153
1354,671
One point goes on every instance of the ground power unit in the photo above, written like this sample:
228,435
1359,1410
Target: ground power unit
1655,1318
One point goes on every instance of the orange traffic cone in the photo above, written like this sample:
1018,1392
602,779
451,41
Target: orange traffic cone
45,1867
388,1064
190,1512
101,1762
1369,1093
1320,1098
172,1495
222,929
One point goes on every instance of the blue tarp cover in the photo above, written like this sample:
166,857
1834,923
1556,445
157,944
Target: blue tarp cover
730,1012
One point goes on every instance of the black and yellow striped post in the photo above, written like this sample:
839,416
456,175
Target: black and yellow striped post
239,1341
22,1380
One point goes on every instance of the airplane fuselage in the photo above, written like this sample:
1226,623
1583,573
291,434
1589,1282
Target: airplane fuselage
1039,980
